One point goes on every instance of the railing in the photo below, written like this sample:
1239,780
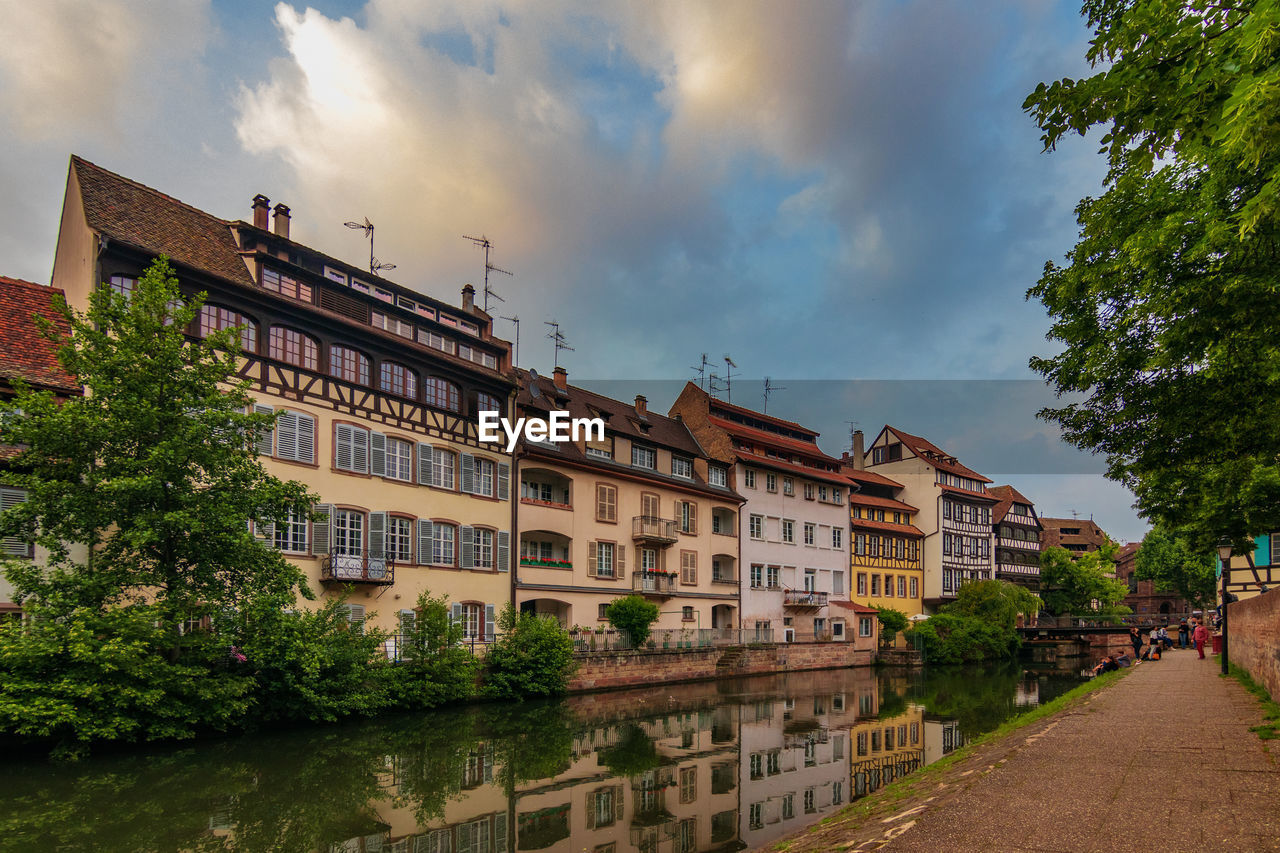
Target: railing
653,583
824,636
536,563
653,528
724,577
357,568
803,598
796,739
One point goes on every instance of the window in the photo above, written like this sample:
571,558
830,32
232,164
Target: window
291,534
788,487
808,533
888,585
348,364
862,583
123,284
293,347
757,576
488,403
648,559
860,544
788,531
483,544
771,575
770,482
837,537
837,583
688,517
875,585
750,479
398,379
689,568
809,806
350,448
443,467
822,493
604,559
902,586
602,611
643,457
441,394
835,495
756,526
482,483
215,318
348,532
400,459
293,437
443,539
400,539
13,546
808,491
606,502
686,613
472,621
682,467
864,626
717,476
285,285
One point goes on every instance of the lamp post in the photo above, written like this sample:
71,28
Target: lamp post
1224,555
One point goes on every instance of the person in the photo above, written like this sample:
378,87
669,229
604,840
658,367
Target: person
1154,639
1200,635
1184,634
1165,642
1135,639
1107,664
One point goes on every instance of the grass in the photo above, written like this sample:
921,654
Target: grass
1270,728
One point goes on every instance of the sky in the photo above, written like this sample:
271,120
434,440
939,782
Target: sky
846,198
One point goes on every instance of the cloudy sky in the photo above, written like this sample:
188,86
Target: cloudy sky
837,195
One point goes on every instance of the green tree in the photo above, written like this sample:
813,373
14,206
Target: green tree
532,658
435,667
633,614
1079,583
995,601
1165,308
947,638
1175,567
891,622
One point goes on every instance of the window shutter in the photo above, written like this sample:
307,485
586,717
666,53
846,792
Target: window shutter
455,614
689,567
468,473
287,436
378,454
306,426
468,556
488,621
321,529
503,555
504,481
591,559
342,446
617,803
426,535
619,560
360,450
426,458
13,546
265,530
355,615
377,534
265,440
693,517
591,809
500,832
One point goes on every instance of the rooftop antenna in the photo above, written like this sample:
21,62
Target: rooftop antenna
515,356
853,429
561,342
701,371
486,244
375,266
1075,514
769,388
729,367
714,385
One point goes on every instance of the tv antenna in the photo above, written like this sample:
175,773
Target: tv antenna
701,371
769,388
853,429
515,355
561,342
729,367
486,244
375,266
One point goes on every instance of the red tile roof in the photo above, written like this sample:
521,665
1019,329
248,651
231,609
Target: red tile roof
856,608
24,352
792,468
765,437
934,455
886,527
859,499
864,476
760,416
966,493
1006,496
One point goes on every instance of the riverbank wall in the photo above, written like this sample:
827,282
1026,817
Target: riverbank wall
1253,639
641,667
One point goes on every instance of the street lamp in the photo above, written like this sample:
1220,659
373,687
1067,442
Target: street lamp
1224,554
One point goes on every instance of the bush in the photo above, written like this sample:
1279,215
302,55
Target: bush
891,622
434,667
633,614
957,638
532,658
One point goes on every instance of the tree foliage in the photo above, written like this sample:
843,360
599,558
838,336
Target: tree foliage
1167,560
891,622
1079,583
532,658
633,614
996,601
1165,308
981,624
435,666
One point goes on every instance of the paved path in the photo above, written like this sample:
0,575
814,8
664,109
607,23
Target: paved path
1163,760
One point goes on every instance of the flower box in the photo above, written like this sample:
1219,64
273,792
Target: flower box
546,564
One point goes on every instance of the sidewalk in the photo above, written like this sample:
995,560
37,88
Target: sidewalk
1162,760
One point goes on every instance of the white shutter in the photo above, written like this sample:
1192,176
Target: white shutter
287,436
426,536
500,832
503,556
378,454
504,481
355,615
342,446
265,531
360,450
468,473
426,459
377,535
455,614
468,559
264,440
306,438
488,621
321,529
13,546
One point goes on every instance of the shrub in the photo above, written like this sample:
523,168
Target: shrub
633,614
434,667
532,658
957,638
891,622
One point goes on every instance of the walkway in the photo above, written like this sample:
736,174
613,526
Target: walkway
1161,760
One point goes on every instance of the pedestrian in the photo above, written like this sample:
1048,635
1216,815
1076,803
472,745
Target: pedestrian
1200,635
1135,639
1184,634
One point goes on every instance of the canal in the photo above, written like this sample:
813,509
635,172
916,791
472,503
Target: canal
729,765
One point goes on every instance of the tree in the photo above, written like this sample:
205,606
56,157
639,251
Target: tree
995,601
633,614
435,666
533,657
1079,584
1165,308
1175,567
891,622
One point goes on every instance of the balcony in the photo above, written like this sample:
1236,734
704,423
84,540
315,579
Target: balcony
653,583
648,528
357,568
803,598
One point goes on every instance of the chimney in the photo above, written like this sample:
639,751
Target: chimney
859,455
642,406
560,375
280,222
468,298
260,206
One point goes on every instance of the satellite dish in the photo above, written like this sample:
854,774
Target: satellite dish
534,391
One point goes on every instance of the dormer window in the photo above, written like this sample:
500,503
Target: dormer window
644,457
682,467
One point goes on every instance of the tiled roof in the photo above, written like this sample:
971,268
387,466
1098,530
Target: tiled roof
1006,497
147,219
24,352
764,437
791,468
859,499
934,455
856,608
886,527
760,416
865,476
966,493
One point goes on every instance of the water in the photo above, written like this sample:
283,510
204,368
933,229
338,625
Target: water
722,766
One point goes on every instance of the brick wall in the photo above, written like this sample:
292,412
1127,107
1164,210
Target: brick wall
1253,638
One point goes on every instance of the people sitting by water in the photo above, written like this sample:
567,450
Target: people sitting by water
1122,660
1165,641
1107,664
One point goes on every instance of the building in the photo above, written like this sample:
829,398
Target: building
642,510
794,547
884,543
1143,599
1017,532
1253,572
1077,535
954,512
25,355
377,388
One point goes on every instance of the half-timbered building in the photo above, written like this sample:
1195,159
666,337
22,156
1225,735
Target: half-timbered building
377,388
1017,531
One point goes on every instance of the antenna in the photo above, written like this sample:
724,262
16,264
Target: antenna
714,384
701,371
561,342
375,266
769,388
853,428
729,367
486,244
515,356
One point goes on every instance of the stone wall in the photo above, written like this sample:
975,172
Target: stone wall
1253,639
610,670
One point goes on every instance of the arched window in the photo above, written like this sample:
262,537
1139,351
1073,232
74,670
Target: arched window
488,403
349,364
398,379
215,318
441,393
293,347
123,284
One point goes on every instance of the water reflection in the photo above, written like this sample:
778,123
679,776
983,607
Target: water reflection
706,767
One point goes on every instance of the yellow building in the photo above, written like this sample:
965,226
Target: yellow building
884,556
377,388
885,750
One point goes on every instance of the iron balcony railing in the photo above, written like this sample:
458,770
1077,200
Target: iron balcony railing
653,583
653,529
803,598
357,568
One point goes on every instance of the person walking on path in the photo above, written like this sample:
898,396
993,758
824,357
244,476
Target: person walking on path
1200,635
1135,639
1184,634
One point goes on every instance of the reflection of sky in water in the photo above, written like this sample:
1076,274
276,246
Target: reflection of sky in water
695,767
